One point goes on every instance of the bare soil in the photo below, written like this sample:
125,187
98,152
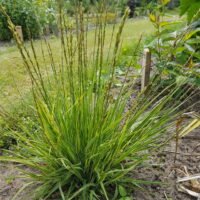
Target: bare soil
9,183
166,169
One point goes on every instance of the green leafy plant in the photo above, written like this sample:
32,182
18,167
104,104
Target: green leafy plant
88,142
34,16
23,13
192,8
175,48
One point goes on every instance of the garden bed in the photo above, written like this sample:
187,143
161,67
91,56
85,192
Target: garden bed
162,168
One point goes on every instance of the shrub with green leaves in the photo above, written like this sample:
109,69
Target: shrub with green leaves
90,137
175,47
36,18
24,13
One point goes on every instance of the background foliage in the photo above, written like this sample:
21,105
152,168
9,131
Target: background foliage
176,45
38,17
34,16
23,13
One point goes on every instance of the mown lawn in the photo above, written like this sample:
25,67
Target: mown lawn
13,76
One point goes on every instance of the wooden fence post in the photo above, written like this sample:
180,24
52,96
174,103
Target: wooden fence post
19,32
146,68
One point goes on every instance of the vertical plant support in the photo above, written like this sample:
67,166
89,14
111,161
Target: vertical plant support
19,32
146,68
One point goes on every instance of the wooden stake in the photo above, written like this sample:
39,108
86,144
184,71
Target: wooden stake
146,64
19,32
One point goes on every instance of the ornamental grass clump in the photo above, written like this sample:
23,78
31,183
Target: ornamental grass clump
88,141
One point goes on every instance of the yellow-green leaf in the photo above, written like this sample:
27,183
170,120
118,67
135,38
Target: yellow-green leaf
193,125
152,17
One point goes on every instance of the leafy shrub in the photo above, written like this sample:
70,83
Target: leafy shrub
176,49
23,13
89,142
70,8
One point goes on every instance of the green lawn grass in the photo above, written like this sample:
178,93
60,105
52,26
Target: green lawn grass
14,78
